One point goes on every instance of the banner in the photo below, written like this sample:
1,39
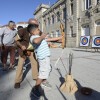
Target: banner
96,41
85,40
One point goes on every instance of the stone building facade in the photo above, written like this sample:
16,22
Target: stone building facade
79,18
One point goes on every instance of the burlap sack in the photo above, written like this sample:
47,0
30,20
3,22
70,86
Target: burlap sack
69,85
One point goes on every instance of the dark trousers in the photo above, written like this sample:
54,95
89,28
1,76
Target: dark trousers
4,54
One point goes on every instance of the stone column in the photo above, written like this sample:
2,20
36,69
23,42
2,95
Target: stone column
76,16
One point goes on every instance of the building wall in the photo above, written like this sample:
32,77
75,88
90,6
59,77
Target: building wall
76,22
91,17
38,14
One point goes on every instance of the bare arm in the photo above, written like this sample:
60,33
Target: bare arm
0,45
54,39
1,33
18,37
39,39
20,45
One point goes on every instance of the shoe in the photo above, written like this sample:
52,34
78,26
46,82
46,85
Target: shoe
46,84
11,68
4,67
34,80
35,92
17,85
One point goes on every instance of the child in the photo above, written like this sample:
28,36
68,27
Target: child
41,48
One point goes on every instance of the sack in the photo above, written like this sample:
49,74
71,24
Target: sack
69,86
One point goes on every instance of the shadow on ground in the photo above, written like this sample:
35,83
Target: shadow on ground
61,78
43,97
78,95
94,96
26,67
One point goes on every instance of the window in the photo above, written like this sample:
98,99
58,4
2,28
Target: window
98,1
44,22
52,19
64,13
98,23
58,16
71,29
98,27
71,8
57,33
85,30
48,21
52,34
87,4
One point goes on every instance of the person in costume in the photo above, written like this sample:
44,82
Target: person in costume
22,42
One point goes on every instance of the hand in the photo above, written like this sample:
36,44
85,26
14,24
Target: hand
61,37
0,45
23,48
44,35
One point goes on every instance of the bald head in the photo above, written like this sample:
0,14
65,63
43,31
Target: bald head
32,21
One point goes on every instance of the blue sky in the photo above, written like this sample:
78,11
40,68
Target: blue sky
19,10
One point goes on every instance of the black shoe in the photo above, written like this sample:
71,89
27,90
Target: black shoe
11,68
34,79
17,85
35,92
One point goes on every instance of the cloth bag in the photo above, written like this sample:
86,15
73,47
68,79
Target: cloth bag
69,86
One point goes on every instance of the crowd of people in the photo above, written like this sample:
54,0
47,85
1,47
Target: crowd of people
39,56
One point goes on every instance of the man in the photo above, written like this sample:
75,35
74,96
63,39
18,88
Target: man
7,35
22,44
